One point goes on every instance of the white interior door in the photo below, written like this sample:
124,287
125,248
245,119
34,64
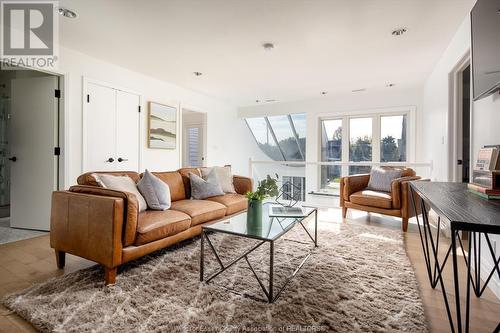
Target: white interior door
100,128
127,131
33,136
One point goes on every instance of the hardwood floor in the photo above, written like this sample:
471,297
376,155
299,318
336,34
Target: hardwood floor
26,262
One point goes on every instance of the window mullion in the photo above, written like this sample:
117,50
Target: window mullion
345,145
376,139
274,138
294,131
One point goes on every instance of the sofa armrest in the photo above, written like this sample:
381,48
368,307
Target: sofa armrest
242,184
351,184
88,226
396,190
131,207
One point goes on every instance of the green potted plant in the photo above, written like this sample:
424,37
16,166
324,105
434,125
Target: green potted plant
265,189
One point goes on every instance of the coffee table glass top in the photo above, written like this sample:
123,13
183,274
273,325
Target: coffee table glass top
269,228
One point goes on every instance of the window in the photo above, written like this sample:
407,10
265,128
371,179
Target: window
294,188
360,144
299,122
287,140
371,138
393,138
264,138
282,138
331,151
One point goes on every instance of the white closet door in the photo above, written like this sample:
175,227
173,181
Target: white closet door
100,129
127,131
32,139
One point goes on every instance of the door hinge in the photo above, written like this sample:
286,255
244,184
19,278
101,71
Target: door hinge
57,151
58,93
88,98
139,109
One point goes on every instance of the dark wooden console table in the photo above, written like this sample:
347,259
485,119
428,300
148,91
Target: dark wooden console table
466,213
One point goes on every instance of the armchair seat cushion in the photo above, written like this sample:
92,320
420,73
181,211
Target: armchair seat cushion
233,202
154,225
200,211
372,198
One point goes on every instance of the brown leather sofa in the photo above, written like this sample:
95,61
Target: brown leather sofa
105,226
354,194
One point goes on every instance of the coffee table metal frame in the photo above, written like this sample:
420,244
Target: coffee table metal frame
271,296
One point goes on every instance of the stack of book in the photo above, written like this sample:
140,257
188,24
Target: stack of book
486,174
490,194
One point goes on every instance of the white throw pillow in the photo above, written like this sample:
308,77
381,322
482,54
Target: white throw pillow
121,183
224,177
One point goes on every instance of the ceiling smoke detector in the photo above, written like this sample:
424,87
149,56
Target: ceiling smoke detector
399,31
67,12
197,73
268,46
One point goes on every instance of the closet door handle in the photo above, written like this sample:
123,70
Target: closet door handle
122,159
110,160
13,159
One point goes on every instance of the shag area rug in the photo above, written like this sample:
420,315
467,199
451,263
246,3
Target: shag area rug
359,279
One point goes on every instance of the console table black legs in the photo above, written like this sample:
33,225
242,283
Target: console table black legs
460,321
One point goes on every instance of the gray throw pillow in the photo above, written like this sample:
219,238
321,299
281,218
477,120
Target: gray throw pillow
224,177
155,191
204,188
123,184
381,179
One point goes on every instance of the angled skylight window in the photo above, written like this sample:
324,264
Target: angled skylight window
287,139
282,138
264,137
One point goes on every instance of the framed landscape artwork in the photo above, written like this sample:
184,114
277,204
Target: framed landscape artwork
162,126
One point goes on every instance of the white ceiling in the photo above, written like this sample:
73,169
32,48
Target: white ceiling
320,45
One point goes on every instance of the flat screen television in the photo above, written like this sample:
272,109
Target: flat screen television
485,20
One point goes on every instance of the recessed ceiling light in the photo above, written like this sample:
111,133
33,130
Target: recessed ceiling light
390,85
67,12
268,46
197,73
324,92
358,90
399,31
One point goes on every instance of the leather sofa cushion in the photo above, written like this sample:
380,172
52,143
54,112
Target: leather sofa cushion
88,179
201,211
233,202
372,199
184,172
154,225
174,182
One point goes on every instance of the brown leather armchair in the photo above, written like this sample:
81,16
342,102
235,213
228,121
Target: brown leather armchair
354,194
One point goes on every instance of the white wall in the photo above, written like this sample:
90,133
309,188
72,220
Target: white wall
221,117
437,103
485,119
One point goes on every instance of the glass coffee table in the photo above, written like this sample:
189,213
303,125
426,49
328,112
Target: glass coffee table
265,230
